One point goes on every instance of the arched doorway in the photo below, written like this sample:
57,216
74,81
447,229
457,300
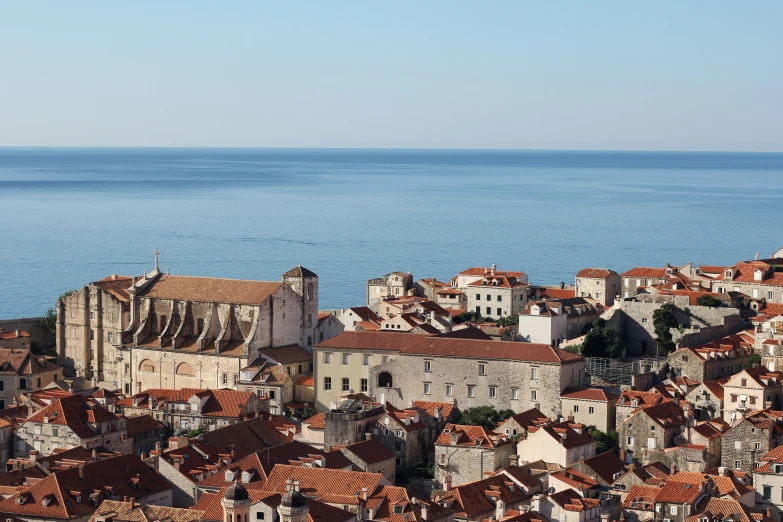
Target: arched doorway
385,380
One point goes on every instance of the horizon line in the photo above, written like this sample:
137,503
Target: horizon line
421,149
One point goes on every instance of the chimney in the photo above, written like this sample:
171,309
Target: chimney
631,466
500,509
424,513
447,483
605,517
674,469
513,460
132,502
94,454
30,410
769,512
296,485
368,436
81,471
622,455
33,454
46,419
535,503
364,493
158,447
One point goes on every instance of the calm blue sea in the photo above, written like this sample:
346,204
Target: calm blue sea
71,216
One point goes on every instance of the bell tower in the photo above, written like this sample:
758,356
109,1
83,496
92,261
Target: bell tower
236,504
305,283
293,506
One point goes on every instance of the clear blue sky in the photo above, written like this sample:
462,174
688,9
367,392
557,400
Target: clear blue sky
701,75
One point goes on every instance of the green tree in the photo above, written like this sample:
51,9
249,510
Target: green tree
709,300
573,348
600,341
605,441
486,416
468,316
663,321
752,360
49,321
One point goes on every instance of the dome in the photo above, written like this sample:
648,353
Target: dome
236,491
293,499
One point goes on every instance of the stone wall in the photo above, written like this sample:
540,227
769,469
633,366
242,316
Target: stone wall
738,445
468,463
32,325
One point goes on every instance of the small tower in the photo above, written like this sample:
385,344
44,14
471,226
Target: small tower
305,283
293,506
236,504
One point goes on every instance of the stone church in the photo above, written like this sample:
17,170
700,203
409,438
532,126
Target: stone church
171,331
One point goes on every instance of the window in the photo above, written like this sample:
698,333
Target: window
478,310
769,295
576,408
489,298
514,394
672,510
733,398
449,390
427,366
236,379
92,335
590,410
752,399
366,360
327,383
327,358
225,378
426,388
743,382
364,385
478,297
737,464
109,336
767,492
271,396
385,359
260,515
489,310
500,311
482,369
758,446
2,404
346,384
38,382
346,358
471,391
534,373
493,392
533,395
630,441
738,444
397,509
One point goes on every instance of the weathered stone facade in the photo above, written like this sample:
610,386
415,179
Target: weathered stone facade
601,284
460,459
165,331
744,444
394,284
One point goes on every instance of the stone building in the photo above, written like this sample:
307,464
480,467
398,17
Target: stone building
759,279
371,456
464,453
452,299
601,284
275,373
359,318
604,468
73,421
115,510
428,288
397,367
756,434
653,427
639,503
489,498
394,284
631,400
328,326
707,399
713,360
349,420
192,408
16,339
22,371
676,500
567,506
590,406
520,423
167,331
497,294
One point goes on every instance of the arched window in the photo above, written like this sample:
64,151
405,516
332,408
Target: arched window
239,518
185,369
385,380
310,292
147,366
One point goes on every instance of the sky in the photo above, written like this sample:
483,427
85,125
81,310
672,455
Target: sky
663,75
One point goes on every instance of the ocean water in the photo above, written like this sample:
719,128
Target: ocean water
71,216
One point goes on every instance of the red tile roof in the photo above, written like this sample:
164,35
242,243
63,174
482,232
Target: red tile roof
676,492
645,272
570,500
574,479
306,381
567,433
142,424
641,497
605,465
220,403
470,499
23,362
74,411
317,421
595,273
588,394
450,347
369,451
471,436
724,508
334,486
211,290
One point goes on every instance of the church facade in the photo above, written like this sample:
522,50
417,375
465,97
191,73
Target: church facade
171,331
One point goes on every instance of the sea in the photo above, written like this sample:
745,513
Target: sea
69,216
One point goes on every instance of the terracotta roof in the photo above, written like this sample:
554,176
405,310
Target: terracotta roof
775,455
116,286
595,273
641,497
666,414
676,492
645,272
369,451
497,281
211,505
480,271
74,411
245,437
559,293
292,353
588,394
566,433
474,436
528,418
450,291
220,403
334,486
317,421
142,424
470,499
723,508
364,313
211,290
449,347
386,498
744,272
643,398
23,362
570,500
13,334
574,479
299,271
306,381
127,512
430,406
605,465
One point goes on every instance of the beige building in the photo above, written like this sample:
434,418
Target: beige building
600,284
167,331
758,279
399,367
22,371
371,456
274,375
590,406
394,284
563,443
543,322
497,294
751,389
